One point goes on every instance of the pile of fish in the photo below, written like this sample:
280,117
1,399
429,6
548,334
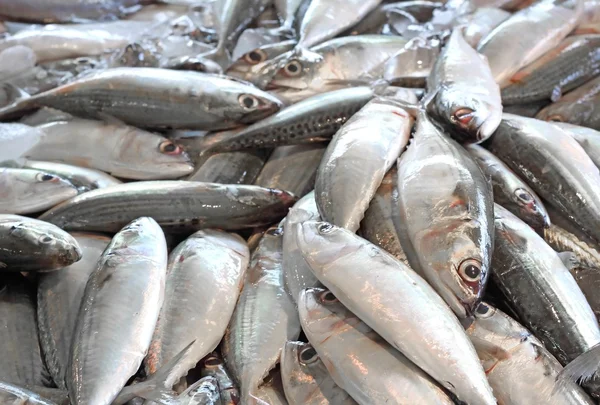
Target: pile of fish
295,202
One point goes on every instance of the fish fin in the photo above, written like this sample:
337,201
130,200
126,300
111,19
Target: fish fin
109,119
199,64
582,369
569,259
46,115
217,57
155,387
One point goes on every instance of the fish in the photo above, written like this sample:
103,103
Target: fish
292,168
356,160
343,342
59,296
203,392
173,204
572,63
411,66
306,380
213,366
515,360
315,119
120,150
462,93
445,217
588,138
249,67
28,244
252,349
549,159
545,22
14,394
26,191
271,392
482,22
241,167
61,11
579,107
17,139
287,11
541,290
118,313
156,98
83,178
205,274
337,257
510,191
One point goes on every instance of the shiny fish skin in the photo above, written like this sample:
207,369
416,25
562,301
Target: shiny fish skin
21,362
464,96
59,297
250,66
446,216
510,191
15,395
441,348
546,23
271,392
342,341
314,119
541,290
548,159
120,150
204,275
588,138
28,244
213,366
482,22
173,204
564,68
157,98
356,161
306,380
520,370
26,191
83,178
231,167
411,66
118,313
287,10
252,349
64,11
580,107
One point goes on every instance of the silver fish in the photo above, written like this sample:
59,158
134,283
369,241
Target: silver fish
11,394
271,392
356,160
28,244
446,226
360,361
213,365
174,204
588,138
17,139
287,10
59,298
250,66
252,349
482,22
412,65
45,11
83,178
440,348
120,307
26,191
240,167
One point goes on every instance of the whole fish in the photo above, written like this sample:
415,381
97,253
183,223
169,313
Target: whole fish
26,191
118,314
315,119
297,274
83,178
241,167
360,361
292,168
356,160
21,362
550,160
580,106
173,204
28,244
11,394
510,191
446,217
462,93
482,22
64,11
120,150
343,62
306,380
527,35
204,274
541,290
213,366
250,66
59,297
440,348
588,138
378,226
520,370
157,98
572,63
252,349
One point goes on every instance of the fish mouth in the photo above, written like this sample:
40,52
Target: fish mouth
488,126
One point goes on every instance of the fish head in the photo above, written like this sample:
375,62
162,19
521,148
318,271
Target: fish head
294,70
254,66
531,209
570,112
322,314
250,104
47,185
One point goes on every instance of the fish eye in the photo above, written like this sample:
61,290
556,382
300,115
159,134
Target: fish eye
255,57
45,239
484,310
327,297
292,69
524,195
325,228
213,361
45,177
275,231
308,355
248,102
463,116
470,270
556,118
169,148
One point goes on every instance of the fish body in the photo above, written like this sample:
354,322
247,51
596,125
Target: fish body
11,394
64,11
250,66
411,66
588,138
482,22
240,167
83,178
213,366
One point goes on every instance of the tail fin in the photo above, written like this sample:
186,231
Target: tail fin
155,388
582,369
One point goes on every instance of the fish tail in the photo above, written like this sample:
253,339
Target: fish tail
582,369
